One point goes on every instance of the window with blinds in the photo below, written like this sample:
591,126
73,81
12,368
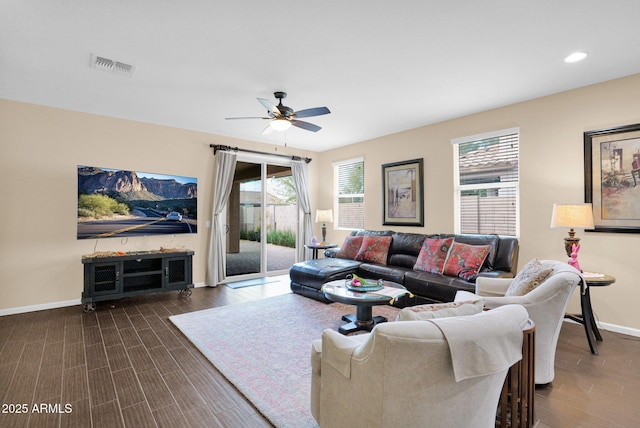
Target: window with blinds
350,194
487,175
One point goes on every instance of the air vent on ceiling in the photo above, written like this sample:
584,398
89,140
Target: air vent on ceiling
112,66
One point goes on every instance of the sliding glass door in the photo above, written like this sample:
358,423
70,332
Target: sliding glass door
244,220
262,219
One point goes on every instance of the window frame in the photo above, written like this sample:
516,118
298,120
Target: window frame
336,200
460,188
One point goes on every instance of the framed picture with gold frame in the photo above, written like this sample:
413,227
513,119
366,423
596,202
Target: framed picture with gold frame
612,178
403,193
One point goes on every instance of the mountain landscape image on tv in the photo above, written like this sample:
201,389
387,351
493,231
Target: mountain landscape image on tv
114,203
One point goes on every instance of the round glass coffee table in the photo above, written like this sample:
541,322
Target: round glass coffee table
336,291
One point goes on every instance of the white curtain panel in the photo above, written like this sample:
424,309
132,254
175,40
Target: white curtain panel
300,170
223,181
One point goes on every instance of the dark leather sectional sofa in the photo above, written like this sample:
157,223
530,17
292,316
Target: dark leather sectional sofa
307,277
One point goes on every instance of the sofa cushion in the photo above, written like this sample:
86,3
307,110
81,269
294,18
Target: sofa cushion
441,310
433,255
314,273
506,259
405,248
350,247
374,249
531,275
465,260
435,287
408,243
402,260
386,272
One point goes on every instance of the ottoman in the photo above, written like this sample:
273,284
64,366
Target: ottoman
308,277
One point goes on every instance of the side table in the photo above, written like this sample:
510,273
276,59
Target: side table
516,405
586,318
316,247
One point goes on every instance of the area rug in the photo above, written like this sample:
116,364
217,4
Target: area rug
251,282
264,348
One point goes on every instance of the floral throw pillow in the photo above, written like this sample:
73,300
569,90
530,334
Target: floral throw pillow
433,255
465,260
531,275
350,247
374,249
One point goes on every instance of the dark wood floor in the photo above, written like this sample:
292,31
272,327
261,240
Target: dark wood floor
127,365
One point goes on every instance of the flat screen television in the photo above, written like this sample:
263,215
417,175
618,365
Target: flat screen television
115,203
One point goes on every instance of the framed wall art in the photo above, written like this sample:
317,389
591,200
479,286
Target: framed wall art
612,178
403,193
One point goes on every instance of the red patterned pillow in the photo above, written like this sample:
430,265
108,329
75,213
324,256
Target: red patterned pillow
350,247
374,249
433,254
465,260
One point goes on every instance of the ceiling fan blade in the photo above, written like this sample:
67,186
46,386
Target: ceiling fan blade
308,112
306,125
271,108
234,118
267,130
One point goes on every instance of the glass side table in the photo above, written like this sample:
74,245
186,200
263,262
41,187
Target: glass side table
336,291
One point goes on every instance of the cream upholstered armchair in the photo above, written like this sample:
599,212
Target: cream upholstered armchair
546,305
445,372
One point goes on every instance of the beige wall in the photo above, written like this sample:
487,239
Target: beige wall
551,166
40,149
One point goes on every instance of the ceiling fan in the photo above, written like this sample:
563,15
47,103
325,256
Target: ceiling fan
282,117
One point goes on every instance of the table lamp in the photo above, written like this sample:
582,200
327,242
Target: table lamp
324,217
572,216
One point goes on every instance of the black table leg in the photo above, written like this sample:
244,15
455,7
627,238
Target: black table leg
589,309
363,320
587,320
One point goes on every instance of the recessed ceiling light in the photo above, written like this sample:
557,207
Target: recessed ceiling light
575,57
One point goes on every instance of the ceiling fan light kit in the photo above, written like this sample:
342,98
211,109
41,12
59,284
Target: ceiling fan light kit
282,117
280,124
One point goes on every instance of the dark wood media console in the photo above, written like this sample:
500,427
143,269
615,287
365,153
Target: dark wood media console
111,276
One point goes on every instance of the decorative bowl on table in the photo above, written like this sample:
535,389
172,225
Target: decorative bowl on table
355,283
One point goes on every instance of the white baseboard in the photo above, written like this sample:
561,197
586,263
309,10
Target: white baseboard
42,307
52,305
619,329
614,328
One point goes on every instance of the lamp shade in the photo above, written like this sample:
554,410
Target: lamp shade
578,216
280,124
324,216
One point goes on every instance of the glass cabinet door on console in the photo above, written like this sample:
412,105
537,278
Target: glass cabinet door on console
177,271
105,278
